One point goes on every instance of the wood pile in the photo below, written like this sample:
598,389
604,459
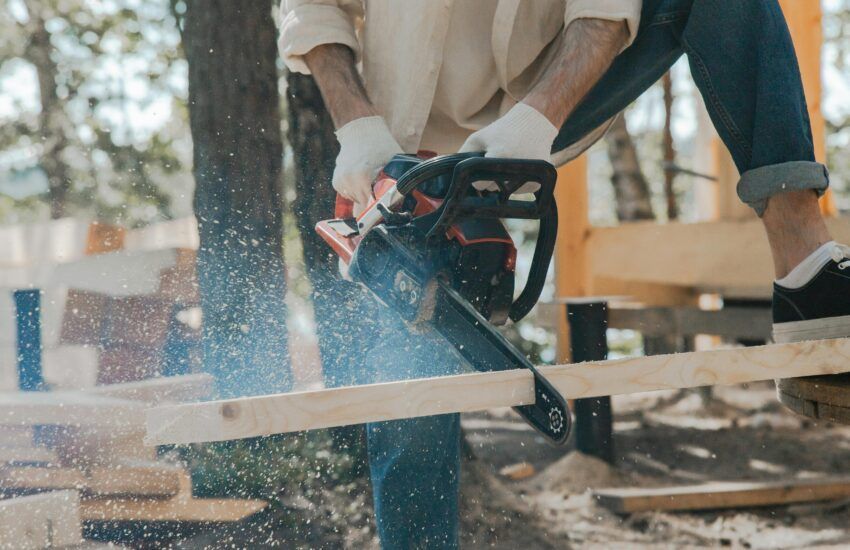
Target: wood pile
79,456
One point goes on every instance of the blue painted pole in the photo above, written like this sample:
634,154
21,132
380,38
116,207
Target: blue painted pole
28,316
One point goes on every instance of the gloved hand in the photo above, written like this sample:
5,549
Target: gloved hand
521,133
366,146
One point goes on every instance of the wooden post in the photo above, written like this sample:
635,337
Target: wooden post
570,251
28,316
804,19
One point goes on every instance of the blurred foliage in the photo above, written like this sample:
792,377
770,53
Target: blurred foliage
272,467
99,102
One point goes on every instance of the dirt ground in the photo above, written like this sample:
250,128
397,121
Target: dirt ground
661,438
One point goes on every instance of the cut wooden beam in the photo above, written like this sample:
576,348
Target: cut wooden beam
270,414
28,455
734,322
16,436
95,445
182,507
720,495
68,408
152,480
177,389
46,520
739,261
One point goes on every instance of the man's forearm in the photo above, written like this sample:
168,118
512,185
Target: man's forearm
585,53
342,89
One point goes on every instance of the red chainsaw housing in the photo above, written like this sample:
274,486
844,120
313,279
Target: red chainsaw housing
343,239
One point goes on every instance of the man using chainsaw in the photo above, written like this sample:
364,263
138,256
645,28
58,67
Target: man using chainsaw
542,79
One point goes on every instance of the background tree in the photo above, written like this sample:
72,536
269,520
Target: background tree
631,190
96,123
235,120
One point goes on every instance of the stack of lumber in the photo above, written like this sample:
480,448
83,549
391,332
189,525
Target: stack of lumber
89,443
46,520
93,278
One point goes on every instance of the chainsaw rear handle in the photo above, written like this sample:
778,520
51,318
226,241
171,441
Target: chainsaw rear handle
460,203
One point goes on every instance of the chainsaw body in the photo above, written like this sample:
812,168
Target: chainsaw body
435,249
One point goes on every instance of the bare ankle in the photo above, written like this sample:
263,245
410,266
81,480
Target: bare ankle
795,228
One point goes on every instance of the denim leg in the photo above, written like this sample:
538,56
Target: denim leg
415,466
743,62
746,68
414,463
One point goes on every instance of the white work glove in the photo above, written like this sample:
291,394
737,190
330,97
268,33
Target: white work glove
521,133
365,147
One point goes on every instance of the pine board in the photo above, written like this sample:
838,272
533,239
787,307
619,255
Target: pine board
722,495
46,520
280,413
68,408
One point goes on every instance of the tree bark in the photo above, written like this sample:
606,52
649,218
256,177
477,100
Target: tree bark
669,151
52,119
235,122
345,313
630,186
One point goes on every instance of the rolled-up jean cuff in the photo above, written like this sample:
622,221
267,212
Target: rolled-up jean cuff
759,184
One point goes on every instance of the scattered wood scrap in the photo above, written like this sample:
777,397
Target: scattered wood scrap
167,389
183,507
518,471
270,414
150,480
90,442
722,495
46,520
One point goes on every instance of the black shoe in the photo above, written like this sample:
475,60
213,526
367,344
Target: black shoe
818,310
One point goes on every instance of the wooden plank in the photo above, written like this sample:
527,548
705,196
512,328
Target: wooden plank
754,323
140,479
90,446
290,412
68,408
722,495
571,275
739,260
16,436
270,414
182,507
29,454
189,387
135,478
46,520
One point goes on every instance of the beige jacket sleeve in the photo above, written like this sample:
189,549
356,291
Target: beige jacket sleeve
611,10
306,24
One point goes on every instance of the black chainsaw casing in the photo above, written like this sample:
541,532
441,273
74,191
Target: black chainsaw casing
446,262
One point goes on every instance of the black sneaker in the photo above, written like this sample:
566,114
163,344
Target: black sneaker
818,310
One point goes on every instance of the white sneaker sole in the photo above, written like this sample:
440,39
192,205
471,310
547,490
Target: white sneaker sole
813,329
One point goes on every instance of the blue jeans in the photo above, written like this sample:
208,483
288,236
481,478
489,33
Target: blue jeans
743,63
414,463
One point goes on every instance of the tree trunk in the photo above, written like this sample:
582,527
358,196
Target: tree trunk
52,119
235,121
345,313
669,151
630,187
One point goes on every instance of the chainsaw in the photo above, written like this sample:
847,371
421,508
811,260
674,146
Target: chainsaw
433,248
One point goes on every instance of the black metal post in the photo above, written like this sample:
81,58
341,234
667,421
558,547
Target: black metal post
588,322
